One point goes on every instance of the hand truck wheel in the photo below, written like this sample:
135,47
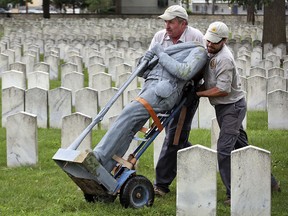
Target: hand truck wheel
137,192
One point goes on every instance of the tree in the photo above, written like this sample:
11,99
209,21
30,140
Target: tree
4,3
99,5
274,21
274,25
46,9
251,10
250,5
62,4
117,4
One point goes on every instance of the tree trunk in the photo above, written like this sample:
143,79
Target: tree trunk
46,9
117,6
213,6
250,12
187,4
274,25
26,6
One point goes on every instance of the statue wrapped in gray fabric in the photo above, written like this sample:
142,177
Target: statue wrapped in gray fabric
167,73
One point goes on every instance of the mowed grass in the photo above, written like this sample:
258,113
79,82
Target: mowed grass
45,189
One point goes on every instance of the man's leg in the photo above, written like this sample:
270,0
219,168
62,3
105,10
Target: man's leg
119,136
167,163
230,118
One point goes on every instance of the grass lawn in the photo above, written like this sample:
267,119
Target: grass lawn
46,190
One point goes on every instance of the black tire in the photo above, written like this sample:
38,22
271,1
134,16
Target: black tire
137,192
89,198
107,198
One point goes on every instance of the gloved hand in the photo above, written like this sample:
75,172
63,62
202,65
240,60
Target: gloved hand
148,55
157,49
191,95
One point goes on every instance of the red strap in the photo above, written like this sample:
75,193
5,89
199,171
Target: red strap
151,112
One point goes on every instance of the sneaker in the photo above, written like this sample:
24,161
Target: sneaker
159,192
276,187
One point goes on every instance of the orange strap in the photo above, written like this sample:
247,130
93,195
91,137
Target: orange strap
180,125
151,112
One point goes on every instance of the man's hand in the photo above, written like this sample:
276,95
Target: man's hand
148,55
157,49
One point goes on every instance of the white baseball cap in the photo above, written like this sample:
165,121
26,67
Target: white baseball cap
216,32
174,11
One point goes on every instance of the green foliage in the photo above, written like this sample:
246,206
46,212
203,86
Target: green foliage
256,3
99,5
189,12
4,3
1,31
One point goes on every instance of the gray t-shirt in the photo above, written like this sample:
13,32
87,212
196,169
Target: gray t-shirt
221,71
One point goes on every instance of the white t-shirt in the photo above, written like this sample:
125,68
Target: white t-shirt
190,34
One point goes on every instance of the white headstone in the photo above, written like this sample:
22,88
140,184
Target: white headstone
243,83
4,63
41,66
122,69
113,62
11,55
12,102
36,102
22,142
73,81
38,79
72,126
158,143
53,62
76,59
115,109
18,66
215,130
68,68
95,69
206,113
285,68
86,102
274,58
275,71
250,182
96,59
101,81
257,93
196,181
278,110
276,83
258,71
60,105
29,61
256,57
133,85
13,78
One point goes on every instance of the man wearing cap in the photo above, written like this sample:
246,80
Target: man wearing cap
222,86
169,69
176,31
